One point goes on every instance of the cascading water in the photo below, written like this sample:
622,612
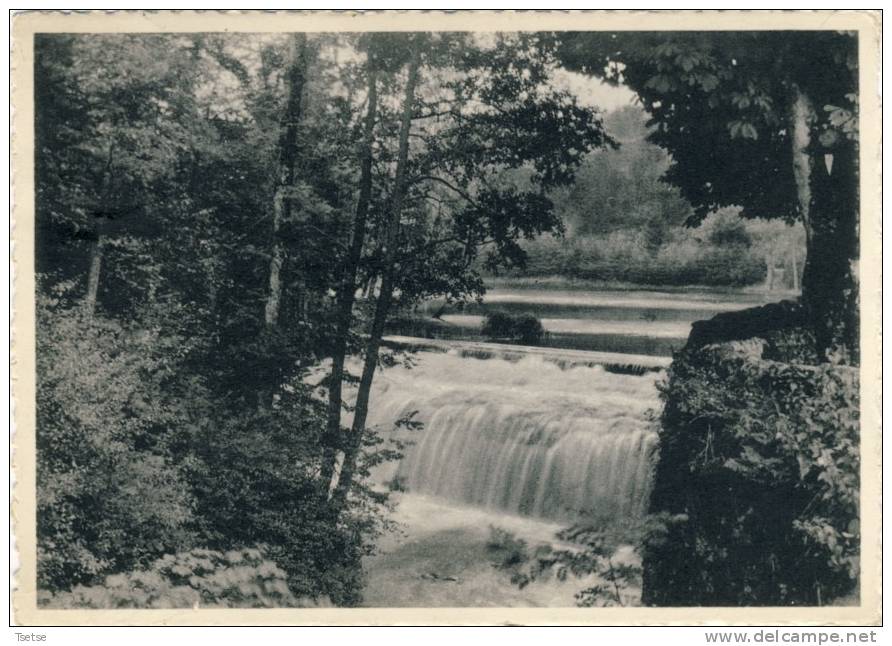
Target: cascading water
525,437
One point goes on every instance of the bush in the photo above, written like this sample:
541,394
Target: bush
505,549
758,470
254,483
594,550
234,579
498,325
523,328
144,449
528,329
729,230
722,258
111,494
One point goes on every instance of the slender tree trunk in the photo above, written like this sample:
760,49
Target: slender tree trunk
274,297
288,154
769,273
382,305
347,288
370,285
98,248
827,189
96,253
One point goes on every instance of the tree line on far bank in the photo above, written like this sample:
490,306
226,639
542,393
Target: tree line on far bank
625,227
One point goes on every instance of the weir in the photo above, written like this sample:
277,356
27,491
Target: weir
528,436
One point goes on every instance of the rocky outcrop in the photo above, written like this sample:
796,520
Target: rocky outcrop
756,488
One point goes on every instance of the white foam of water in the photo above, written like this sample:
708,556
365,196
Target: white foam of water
526,437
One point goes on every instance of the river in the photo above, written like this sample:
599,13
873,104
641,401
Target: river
528,440
635,322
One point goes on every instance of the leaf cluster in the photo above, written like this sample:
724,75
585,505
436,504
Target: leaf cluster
243,578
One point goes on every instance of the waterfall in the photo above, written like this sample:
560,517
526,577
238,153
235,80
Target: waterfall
527,436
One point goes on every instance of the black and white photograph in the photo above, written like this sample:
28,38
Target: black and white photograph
441,318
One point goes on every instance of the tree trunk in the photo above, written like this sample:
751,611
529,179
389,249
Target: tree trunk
370,285
829,280
828,202
347,289
96,253
98,248
288,154
382,305
274,297
802,115
769,272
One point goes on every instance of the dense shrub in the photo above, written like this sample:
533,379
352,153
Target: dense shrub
528,329
234,579
498,325
730,231
632,257
111,494
523,328
758,476
140,455
254,484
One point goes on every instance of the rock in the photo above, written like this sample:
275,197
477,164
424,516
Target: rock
433,576
746,324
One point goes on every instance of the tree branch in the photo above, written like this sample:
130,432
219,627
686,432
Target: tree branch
447,184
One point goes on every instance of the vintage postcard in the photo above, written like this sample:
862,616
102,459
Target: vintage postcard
446,318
